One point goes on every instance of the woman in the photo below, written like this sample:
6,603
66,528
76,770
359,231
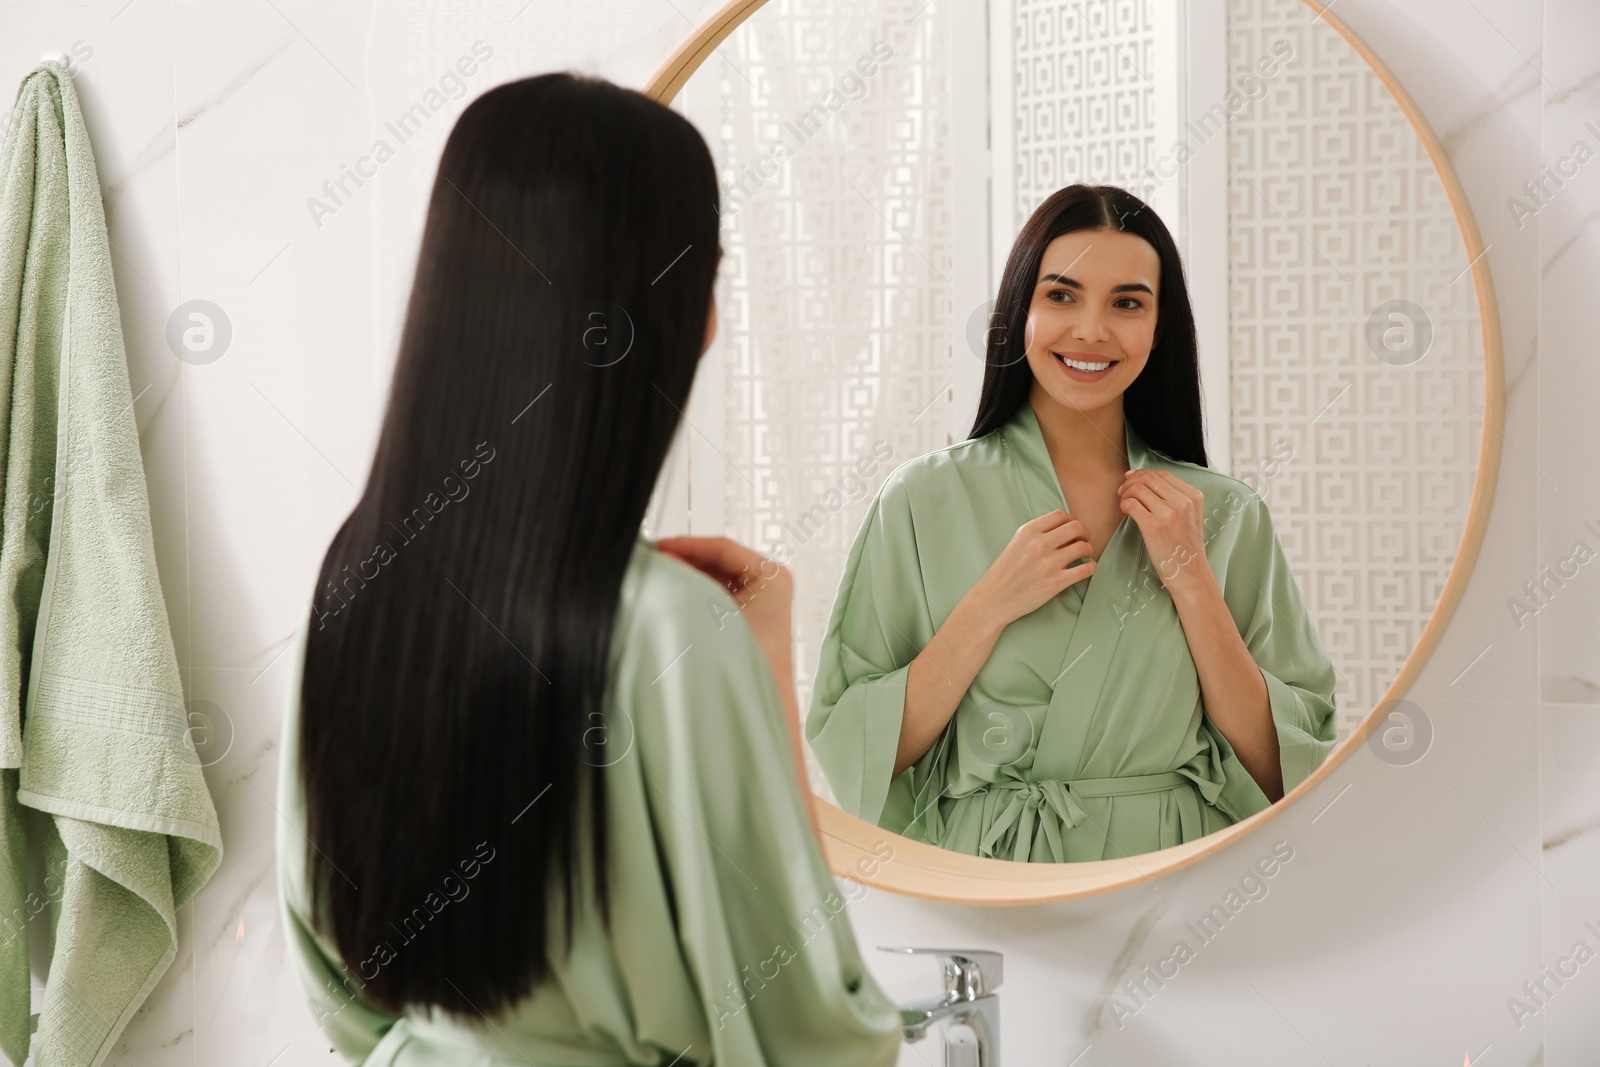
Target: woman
541,802
981,689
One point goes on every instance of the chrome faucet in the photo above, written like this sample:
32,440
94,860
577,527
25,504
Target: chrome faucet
970,1007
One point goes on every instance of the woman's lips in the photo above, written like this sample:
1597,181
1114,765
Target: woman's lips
1082,375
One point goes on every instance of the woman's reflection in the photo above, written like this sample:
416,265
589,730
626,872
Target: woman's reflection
981,689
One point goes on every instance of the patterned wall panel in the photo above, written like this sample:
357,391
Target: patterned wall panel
1367,464
1083,102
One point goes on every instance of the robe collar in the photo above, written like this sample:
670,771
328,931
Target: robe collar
1026,439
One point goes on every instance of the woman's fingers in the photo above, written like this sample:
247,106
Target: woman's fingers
698,553
717,552
1082,570
1060,529
693,551
726,560
1071,549
1163,486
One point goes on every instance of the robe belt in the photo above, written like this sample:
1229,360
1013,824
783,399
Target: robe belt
1031,801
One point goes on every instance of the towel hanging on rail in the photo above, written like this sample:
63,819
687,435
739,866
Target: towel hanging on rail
99,778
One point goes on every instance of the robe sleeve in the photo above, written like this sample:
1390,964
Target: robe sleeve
762,924
879,623
1264,598
351,1024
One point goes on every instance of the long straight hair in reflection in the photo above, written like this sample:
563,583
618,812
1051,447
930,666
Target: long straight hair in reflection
460,636
1163,403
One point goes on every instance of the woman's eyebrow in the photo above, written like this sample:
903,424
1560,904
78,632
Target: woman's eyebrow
1138,287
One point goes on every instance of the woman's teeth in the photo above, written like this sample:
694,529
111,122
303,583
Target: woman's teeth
1089,367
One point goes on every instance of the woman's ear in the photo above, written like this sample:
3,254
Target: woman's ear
711,315
711,326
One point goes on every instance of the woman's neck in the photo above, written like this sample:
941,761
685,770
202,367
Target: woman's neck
1082,443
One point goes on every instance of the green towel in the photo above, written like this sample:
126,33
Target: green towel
93,727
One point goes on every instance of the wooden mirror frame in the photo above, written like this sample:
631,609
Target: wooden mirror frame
855,848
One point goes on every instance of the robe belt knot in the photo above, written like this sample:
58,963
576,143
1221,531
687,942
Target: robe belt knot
1053,805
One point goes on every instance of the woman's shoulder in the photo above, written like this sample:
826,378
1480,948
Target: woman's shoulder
670,594
684,659
936,467
672,612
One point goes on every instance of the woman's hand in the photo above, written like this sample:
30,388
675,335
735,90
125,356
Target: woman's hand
1170,515
1034,566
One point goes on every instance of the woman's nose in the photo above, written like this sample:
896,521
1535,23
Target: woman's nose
1088,326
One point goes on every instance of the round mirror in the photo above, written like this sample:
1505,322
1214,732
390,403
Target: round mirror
881,161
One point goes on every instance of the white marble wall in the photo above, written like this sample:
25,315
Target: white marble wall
1419,898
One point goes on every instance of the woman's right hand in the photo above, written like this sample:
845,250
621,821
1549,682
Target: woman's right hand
1034,566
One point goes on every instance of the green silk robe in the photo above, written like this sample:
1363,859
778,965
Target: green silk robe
730,942
1084,735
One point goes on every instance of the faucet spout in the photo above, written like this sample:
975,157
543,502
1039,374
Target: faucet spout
968,1005
917,1016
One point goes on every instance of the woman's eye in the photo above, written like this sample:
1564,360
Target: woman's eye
1127,303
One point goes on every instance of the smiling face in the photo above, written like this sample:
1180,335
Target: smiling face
1094,303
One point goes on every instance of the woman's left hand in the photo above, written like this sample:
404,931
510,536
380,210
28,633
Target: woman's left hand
1170,514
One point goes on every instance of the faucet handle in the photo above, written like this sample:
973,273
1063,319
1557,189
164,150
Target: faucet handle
968,973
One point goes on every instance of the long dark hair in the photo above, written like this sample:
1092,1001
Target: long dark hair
1163,403
458,646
